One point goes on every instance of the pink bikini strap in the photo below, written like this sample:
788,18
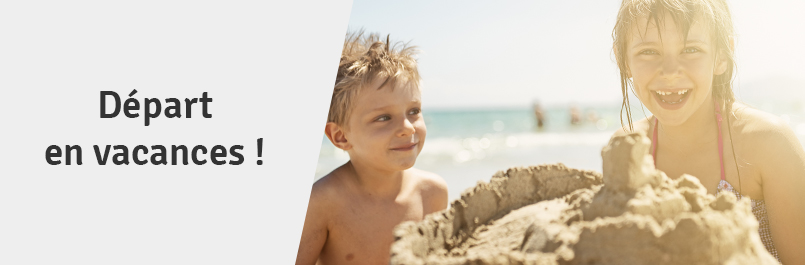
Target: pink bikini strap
720,141
654,142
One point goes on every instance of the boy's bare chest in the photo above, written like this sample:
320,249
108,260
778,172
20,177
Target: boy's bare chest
379,215
362,231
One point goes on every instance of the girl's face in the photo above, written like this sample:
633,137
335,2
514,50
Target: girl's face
672,76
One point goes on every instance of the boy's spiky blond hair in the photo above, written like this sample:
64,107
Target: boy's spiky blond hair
364,59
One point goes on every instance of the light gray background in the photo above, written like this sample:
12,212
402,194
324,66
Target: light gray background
269,68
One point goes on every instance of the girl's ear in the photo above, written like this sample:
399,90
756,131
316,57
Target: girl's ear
336,135
722,61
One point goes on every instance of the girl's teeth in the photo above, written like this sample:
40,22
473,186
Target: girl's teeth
681,92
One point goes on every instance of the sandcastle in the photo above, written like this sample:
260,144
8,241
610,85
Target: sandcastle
552,214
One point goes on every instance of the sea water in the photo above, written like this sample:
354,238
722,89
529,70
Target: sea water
467,146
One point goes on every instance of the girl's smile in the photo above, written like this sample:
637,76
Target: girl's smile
671,99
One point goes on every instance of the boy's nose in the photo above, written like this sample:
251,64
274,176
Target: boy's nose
407,128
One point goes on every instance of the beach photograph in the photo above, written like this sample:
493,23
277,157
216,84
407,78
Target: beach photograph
598,132
485,66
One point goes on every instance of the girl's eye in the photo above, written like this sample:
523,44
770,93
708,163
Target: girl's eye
648,52
414,111
383,118
691,50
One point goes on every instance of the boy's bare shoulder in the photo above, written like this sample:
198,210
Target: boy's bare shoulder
639,126
433,189
327,190
428,181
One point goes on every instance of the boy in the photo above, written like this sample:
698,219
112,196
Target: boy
375,116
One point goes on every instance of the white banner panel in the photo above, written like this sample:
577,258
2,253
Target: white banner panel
235,72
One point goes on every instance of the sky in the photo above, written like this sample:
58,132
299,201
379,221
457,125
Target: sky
490,54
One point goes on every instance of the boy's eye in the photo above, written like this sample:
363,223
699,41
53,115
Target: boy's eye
414,111
383,118
691,50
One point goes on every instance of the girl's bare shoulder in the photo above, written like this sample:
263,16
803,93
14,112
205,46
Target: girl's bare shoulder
763,132
758,126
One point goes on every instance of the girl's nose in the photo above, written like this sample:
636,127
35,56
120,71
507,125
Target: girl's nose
670,68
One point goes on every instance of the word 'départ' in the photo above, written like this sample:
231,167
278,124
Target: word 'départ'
152,107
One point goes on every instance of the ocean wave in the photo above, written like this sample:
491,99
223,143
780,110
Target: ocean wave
476,148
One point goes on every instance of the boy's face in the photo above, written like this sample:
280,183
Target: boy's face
386,130
673,76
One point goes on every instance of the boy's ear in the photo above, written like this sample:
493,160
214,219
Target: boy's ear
336,135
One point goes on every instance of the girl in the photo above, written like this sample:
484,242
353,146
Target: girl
677,57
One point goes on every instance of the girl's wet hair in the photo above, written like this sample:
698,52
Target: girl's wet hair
714,15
